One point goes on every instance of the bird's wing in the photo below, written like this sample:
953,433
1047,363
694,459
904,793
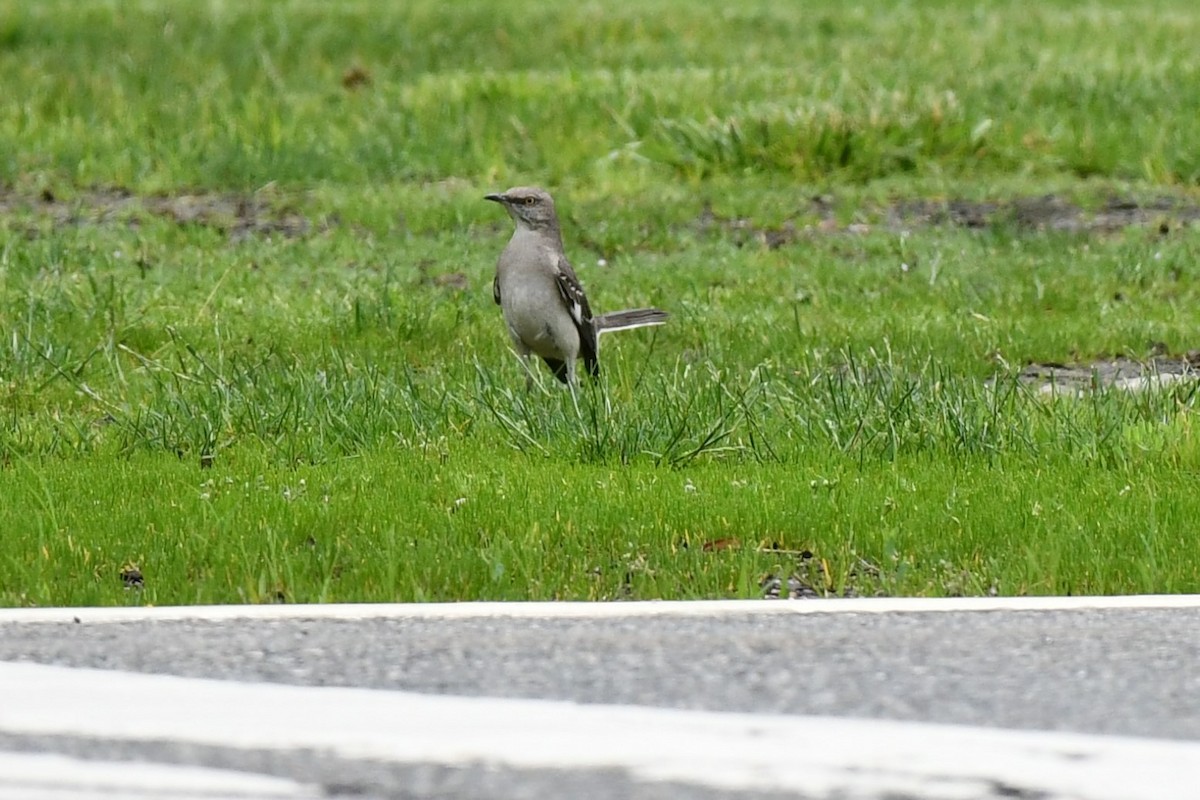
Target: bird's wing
572,292
577,305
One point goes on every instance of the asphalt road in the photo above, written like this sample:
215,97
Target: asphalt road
1126,672
1116,672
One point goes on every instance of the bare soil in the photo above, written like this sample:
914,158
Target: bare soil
1049,212
238,215
265,213
1045,213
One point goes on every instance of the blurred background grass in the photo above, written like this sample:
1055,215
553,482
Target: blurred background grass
156,96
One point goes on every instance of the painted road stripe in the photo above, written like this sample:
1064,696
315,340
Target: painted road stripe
42,776
821,757
608,610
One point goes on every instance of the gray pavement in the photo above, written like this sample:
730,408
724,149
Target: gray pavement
1133,672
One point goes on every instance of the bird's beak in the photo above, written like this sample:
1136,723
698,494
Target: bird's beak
495,198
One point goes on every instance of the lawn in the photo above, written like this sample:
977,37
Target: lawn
249,353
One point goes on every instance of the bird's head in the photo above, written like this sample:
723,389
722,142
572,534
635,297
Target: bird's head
529,206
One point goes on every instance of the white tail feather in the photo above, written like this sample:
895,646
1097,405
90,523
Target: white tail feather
629,319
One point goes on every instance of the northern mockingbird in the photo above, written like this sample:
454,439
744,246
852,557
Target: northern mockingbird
545,308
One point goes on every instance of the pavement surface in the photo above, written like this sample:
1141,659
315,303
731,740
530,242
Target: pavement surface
812,699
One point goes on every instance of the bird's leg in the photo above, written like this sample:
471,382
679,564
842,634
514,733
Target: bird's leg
574,398
571,385
528,367
525,354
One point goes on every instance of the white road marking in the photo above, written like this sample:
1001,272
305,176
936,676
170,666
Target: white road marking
822,757
581,610
41,776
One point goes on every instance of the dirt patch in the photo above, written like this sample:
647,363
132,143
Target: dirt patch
246,214
238,215
745,231
1049,212
1116,373
1045,213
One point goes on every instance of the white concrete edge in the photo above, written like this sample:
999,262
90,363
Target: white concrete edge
584,610
33,776
814,756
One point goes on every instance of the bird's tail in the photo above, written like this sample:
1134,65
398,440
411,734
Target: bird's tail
628,319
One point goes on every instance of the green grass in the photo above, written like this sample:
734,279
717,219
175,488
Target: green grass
157,95
279,390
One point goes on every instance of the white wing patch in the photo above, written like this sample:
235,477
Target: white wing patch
571,299
573,296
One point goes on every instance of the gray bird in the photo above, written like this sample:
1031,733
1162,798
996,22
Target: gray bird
545,308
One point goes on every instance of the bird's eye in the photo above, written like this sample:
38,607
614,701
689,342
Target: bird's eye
529,201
